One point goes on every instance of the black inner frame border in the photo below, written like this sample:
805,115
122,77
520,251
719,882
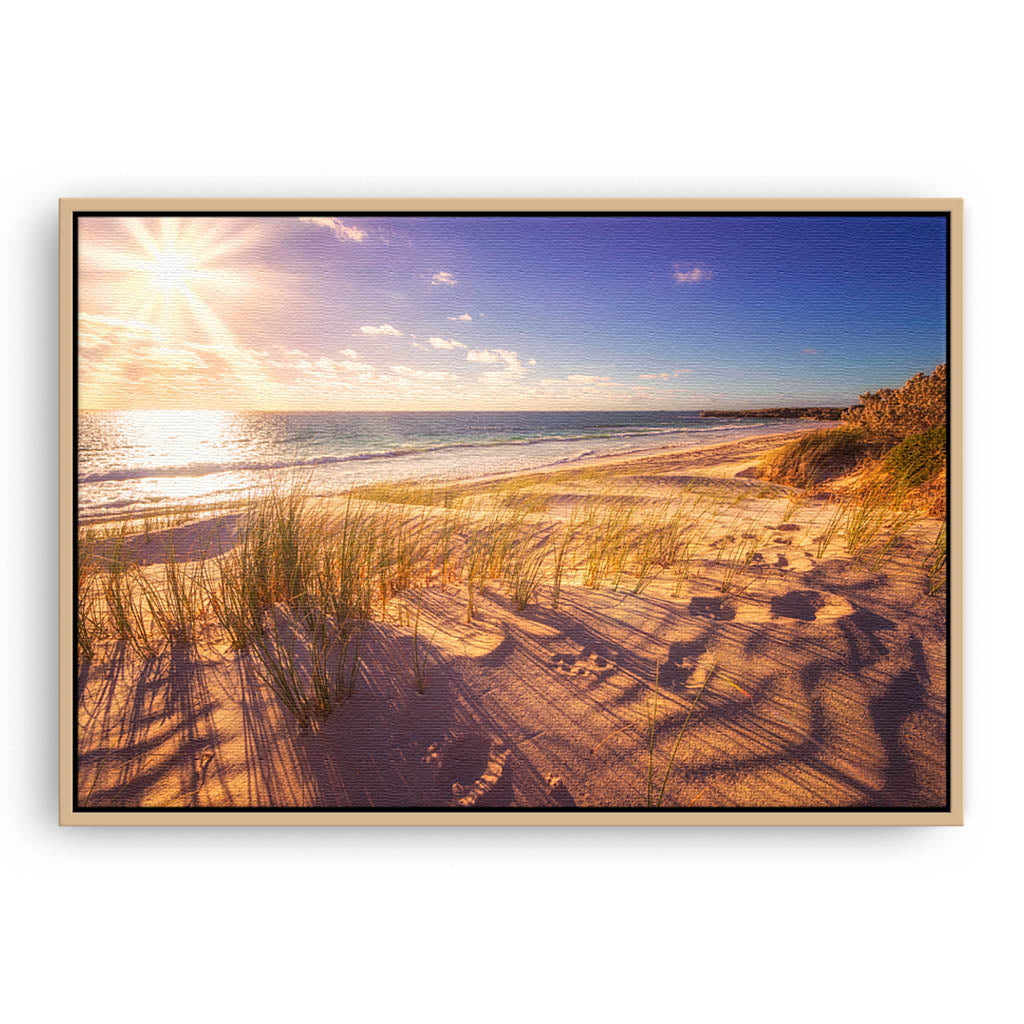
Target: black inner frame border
573,214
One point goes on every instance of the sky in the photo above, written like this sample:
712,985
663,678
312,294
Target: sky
494,312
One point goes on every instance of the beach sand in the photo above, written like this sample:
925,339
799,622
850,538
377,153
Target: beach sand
769,674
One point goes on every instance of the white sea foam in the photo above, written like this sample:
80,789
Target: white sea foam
126,459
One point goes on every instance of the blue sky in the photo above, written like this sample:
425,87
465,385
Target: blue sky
505,312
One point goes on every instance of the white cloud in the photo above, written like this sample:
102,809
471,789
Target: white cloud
808,351
409,373
393,332
343,232
577,389
443,277
512,368
585,378
445,343
349,353
664,376
461,316
690,275
498,355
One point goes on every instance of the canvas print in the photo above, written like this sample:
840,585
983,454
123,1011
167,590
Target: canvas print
463,512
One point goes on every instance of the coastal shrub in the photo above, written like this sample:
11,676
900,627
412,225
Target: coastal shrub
818,456
895,413
918,458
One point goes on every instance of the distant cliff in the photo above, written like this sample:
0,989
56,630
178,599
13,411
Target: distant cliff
800,413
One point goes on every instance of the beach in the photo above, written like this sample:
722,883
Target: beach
658,629
149,461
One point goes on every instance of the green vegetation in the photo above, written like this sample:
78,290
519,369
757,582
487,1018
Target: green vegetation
562,549
896,435
818,456
916,407
525,564
935,562
299,577
827,535
736,558
606,521
419,660
918,458
652,735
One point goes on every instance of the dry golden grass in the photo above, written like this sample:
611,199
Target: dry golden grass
304,574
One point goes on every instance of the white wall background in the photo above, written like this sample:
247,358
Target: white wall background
779,99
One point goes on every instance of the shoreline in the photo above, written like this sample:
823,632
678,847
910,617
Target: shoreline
760,442
549,638
724,449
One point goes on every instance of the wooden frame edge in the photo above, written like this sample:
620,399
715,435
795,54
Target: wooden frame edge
68,207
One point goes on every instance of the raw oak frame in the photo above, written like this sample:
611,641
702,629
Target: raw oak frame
954,813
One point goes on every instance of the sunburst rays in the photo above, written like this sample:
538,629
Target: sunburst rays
181,278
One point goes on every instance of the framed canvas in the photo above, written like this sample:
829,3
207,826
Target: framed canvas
511,511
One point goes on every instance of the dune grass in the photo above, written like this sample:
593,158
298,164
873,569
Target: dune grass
817,456
304,659
176,601
124,600
606,519
89,617
918,458
562,542
652,736
935,562
874,521
303,575
737,560
832,527
419,658
525,567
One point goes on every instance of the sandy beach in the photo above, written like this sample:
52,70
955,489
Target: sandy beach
764,666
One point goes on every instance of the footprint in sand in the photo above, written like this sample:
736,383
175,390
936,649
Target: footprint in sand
473,770
712,608
589,666
681,663
558,792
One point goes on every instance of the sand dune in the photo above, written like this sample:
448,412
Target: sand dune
811,680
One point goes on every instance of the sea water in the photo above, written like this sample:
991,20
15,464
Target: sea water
157,458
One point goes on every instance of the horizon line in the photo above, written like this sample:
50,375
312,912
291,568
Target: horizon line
753,408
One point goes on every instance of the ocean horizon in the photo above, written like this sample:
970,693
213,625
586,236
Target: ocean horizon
157,458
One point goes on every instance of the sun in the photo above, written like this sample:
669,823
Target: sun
177,273
171,270
172,307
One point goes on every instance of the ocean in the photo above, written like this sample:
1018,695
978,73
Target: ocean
157,458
